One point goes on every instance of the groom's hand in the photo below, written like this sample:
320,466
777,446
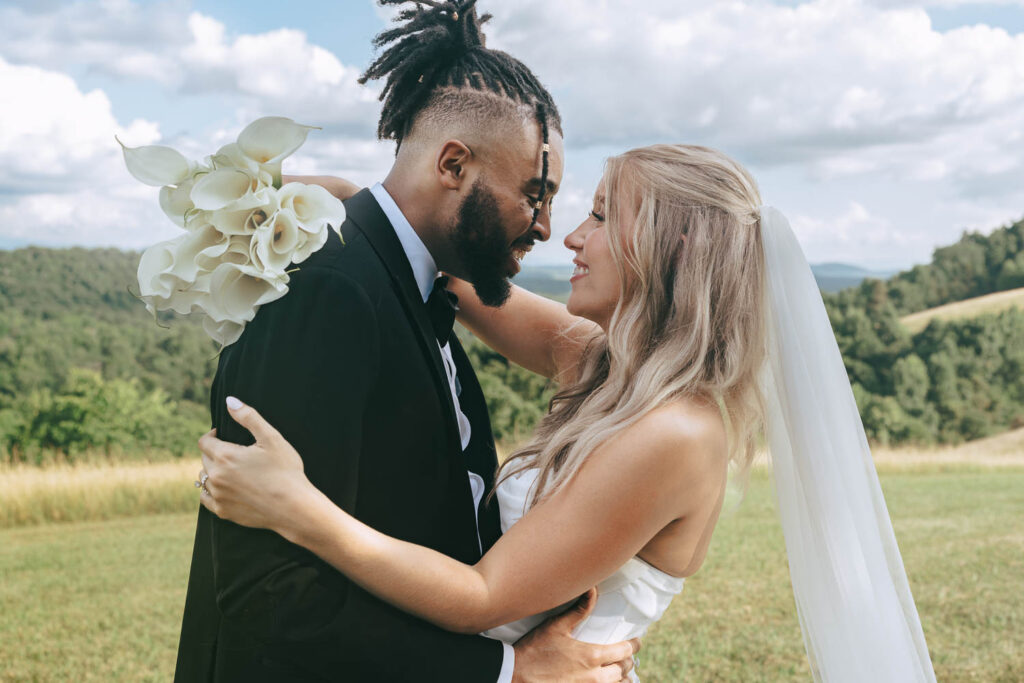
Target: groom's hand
550,653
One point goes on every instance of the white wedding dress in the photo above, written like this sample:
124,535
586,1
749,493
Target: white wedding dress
628,601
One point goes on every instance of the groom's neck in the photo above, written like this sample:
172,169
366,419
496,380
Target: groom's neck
420,205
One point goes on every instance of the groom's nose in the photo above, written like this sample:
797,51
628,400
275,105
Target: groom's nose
542,227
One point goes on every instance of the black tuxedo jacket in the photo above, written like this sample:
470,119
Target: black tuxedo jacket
347,367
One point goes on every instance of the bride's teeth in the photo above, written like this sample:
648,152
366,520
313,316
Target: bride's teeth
580,270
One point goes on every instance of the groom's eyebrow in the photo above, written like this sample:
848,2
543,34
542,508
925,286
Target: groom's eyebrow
552,186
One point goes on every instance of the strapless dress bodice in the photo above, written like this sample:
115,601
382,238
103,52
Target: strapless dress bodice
628,601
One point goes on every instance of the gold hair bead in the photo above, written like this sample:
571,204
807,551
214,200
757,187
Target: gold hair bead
421,78
546,148
455,16
538,205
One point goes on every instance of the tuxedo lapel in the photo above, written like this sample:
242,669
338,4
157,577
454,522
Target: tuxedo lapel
481,455
365,213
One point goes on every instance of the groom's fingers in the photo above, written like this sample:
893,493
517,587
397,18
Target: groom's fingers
619,653
580,611
611,673
247,416
624,667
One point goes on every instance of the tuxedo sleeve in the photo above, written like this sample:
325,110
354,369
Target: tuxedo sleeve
308,364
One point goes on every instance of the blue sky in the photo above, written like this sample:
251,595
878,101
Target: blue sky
883,128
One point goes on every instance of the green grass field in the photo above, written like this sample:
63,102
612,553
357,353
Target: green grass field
102,601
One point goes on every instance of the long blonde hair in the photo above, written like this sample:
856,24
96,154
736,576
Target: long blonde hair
689,319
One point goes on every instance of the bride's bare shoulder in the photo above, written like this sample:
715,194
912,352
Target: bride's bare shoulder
685,438
689,422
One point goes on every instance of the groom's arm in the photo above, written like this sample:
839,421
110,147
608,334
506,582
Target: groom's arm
308,363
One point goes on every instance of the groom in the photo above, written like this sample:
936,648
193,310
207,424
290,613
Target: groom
358,368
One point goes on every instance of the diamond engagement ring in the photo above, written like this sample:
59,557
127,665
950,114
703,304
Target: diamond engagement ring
201,482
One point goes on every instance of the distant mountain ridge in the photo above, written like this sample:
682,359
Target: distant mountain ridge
553,281
833,277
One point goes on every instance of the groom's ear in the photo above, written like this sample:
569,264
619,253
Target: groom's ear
453,161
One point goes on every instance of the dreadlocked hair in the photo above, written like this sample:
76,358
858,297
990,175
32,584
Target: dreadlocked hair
440,51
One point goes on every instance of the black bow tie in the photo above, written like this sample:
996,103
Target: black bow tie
442,306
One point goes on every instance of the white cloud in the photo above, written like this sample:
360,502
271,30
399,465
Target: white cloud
189,53
853,230
948,3
120,216
62,178
62,175
853,94
277,71
848,103
774,83
118,37
52,135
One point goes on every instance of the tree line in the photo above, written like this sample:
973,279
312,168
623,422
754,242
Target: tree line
954,380
86,372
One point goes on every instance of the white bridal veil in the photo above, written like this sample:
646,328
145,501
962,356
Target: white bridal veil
856,612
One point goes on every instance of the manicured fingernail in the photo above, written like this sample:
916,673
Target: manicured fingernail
233,403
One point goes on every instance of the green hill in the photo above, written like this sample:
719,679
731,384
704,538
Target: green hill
968,308
946,378
84,368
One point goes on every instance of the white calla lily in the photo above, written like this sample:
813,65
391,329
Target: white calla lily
160,282
314,206
155,262
312,244
272,138
188,298
237,292
177,201
207,241
242,232
232,156
244,221
228,188
237,252
224,332
276,241
156,165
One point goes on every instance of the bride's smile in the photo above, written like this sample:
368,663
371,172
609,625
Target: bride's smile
595,281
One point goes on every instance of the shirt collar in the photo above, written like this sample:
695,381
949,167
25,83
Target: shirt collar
424,268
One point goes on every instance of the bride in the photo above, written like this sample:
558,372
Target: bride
694,326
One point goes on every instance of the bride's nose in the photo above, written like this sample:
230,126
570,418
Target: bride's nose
574,240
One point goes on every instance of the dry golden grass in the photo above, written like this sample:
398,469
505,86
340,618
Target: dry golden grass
34,495
969,308
1003,451
1000,451
87,492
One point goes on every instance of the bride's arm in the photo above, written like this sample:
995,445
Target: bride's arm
530,330
339,187
628,490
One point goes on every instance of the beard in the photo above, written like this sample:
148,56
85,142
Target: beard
482,246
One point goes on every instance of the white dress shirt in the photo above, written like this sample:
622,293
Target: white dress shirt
424,269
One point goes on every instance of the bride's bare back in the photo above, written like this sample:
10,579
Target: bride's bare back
542,336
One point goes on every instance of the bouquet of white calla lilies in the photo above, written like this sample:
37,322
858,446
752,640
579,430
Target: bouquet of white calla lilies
243,228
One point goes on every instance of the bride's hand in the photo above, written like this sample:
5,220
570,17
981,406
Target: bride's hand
257,485
339,187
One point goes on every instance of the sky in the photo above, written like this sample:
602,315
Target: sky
882,128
